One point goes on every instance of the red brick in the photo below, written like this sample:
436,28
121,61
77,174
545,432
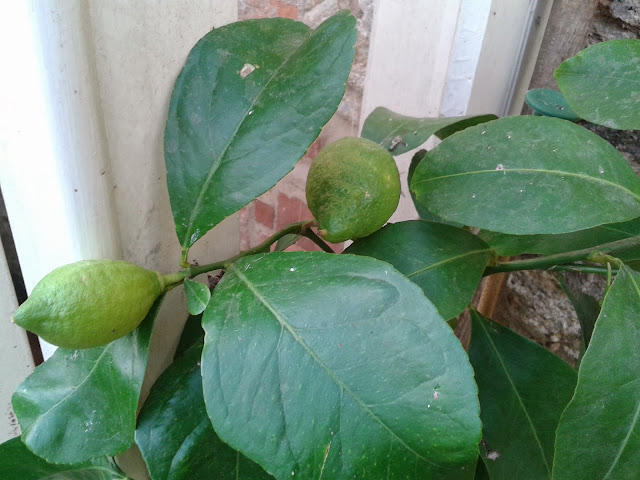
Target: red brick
284,10
315,148
265,214
290,210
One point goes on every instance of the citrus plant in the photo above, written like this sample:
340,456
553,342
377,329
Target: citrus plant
315,365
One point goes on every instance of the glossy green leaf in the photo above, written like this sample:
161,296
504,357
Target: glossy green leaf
523,389
510,245
175,434
81,404
399,133
192,333
336,366
550,103
251,98
599,434
602,83
18,463
587,309
198,296
527,175
423,213
445,262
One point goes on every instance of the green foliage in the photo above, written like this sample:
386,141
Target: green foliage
198,296
18,463
523,390
81,404
277,82
399,133
549,103
601,83
529,175
433,256
347,387
189,449
607,394
324,366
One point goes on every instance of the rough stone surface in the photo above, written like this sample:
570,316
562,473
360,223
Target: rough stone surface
615,19
533,304
527,310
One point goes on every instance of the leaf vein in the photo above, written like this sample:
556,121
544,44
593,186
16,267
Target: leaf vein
447,260
532,170
218,161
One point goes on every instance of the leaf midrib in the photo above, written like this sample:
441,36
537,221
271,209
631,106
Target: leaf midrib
606,77
284,324
448,260
422,129
532,170
517,394
218,161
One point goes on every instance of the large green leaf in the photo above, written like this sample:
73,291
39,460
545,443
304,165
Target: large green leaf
523,390
336,366
527,175
18,463
423,213
446,262
509,245
81,404
602,83
399,133
250,100
175,434
599,434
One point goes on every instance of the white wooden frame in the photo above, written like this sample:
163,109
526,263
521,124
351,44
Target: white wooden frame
98,76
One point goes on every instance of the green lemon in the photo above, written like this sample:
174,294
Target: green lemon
89,303
353,187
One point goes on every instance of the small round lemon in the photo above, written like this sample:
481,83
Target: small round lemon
352,189
89,303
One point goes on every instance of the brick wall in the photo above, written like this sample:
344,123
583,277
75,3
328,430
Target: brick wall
285,203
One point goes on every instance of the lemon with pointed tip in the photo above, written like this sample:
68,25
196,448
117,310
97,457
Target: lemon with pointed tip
89,303
353,188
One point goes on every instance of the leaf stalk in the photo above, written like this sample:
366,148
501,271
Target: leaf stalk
598,254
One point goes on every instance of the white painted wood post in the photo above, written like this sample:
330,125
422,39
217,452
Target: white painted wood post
81,128
15,355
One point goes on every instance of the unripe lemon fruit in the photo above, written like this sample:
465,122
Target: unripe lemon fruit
353,187
89,303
